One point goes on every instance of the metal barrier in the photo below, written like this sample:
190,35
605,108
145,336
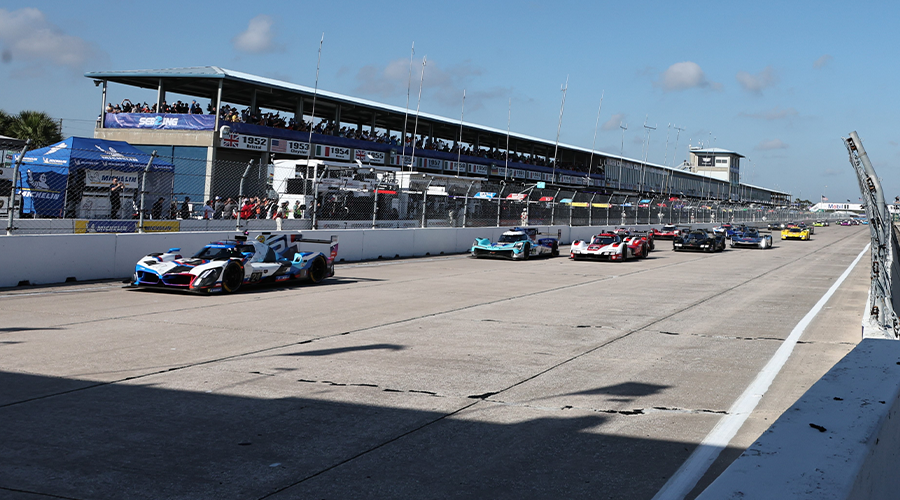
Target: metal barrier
880,317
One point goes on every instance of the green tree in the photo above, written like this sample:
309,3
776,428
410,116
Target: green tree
35,125
4,122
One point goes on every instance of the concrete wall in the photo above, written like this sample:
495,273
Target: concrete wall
56,258
853,452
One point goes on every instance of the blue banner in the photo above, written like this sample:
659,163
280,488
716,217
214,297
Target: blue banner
160,121
43,190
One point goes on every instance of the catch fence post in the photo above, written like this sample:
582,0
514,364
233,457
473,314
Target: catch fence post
144,192
12,194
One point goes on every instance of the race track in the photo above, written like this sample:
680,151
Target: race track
443,377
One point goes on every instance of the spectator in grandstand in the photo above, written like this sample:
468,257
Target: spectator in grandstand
173,208
298,209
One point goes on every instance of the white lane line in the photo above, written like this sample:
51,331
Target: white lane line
686,477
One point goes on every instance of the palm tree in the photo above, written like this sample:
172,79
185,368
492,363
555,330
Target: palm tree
4,122
35,125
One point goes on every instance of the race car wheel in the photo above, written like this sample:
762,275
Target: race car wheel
526,251
318,270
555,252
232,277
645,252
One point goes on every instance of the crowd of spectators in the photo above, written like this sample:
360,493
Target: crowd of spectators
178,107
329,127
219,207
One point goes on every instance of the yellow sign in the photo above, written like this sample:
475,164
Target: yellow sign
125,226
582,204
600,205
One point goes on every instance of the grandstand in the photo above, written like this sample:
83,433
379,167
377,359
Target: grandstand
284,121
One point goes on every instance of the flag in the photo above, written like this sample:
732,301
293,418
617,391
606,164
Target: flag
279,145
824,198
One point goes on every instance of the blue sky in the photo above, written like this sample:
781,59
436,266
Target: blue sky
779,82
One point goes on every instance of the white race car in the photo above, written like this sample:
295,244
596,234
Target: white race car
224,266
609,246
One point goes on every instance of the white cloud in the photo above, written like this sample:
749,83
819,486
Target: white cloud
770,145
822,61
775,113
758,82
446,86
27,36
683,76
613,122
258,38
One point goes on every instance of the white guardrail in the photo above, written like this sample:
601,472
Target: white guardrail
56,258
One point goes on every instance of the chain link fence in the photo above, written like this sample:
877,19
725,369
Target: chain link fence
290,195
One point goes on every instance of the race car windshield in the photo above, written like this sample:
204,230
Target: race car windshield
213,253
603,240
512,238
795,230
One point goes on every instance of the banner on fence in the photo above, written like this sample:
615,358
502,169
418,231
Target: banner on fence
125,226
485,196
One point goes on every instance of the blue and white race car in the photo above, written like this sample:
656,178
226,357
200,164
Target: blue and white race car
519,243
751,238
224,266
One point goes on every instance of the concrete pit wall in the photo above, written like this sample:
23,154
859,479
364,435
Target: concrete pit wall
57,258
839,441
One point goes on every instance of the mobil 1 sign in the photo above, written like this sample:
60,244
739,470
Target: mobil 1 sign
240,141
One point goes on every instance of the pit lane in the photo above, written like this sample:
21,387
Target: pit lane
435,377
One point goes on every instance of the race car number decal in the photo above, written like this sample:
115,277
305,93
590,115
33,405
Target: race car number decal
256,276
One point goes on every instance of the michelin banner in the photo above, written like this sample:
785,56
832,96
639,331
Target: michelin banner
125,226
160,121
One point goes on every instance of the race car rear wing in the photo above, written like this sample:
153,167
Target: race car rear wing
284,243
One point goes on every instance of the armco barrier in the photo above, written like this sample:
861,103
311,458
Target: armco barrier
840,440
55,258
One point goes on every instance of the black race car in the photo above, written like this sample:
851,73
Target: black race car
700,239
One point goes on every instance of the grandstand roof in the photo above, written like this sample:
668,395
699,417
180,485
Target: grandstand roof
237,88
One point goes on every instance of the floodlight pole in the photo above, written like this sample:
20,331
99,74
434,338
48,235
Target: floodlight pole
562,108
624,127
312,126
408,83
144,191
594,142
412,160
12,194
237,223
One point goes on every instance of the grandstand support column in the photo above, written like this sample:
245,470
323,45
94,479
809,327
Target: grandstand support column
372,128
298,111
160,95
210,169
337,117
216,111
253,102
102,122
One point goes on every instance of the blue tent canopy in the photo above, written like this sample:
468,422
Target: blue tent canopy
83,152
44,172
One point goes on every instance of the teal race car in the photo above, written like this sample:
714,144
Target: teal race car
517,244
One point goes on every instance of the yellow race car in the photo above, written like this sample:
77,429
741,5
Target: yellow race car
795,233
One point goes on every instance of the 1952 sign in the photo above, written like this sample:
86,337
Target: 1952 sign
239,141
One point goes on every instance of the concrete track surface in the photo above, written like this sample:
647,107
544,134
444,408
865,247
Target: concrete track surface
439,377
